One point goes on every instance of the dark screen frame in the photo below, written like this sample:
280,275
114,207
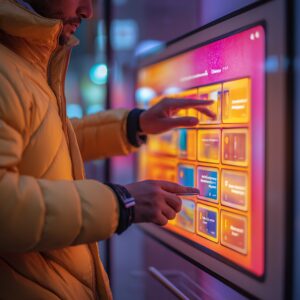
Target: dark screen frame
272,14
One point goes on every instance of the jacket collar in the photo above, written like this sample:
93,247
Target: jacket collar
25,4
33,37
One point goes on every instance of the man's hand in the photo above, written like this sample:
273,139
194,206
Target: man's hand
157,201
160,117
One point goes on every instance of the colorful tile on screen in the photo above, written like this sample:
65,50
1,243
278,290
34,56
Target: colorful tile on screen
182,95
234,189
163,172
235,147
182,142
185,219
208,183
192,144
234,232
211,92
207,222
186,175
209,145
187,141
165,143
236,101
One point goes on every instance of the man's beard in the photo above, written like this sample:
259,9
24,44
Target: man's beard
72,21
43,8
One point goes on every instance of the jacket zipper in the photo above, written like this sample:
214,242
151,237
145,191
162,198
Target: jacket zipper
49,77
62,112
63,96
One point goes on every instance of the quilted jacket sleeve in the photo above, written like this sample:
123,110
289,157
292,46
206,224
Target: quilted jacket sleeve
38,214
103,134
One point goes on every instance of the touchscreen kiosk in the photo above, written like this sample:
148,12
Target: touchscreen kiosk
223,156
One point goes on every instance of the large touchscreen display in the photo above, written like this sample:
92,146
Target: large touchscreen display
223,157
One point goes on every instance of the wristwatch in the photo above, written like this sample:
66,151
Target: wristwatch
134,131
126,206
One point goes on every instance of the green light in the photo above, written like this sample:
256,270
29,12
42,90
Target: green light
98,74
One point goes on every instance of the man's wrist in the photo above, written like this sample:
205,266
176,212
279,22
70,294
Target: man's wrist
126,207
134,130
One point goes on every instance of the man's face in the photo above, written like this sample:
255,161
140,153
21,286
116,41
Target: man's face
71,12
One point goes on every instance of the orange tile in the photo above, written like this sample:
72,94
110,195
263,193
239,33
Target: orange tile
209,145
235,147
235,189
212,92
234,232
236,101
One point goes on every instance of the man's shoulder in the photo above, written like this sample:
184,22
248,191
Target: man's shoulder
16,73
9,60
14,80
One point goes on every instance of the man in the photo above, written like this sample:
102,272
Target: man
50,216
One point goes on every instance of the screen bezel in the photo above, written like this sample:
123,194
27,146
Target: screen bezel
267,14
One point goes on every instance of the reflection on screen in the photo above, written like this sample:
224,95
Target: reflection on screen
224,156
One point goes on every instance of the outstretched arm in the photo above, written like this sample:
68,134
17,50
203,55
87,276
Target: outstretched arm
119,132
103,134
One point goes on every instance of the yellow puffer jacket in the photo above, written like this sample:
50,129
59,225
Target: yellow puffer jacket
50,217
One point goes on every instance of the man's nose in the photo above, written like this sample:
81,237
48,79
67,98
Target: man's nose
85,10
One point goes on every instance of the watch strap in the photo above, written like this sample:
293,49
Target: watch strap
126,206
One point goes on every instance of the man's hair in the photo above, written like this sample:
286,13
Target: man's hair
40,6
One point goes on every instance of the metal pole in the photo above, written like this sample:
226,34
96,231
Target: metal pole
107,8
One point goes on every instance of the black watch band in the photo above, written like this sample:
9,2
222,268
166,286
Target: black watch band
126,207
134,135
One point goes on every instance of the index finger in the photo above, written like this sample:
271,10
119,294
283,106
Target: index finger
177,189
186,102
